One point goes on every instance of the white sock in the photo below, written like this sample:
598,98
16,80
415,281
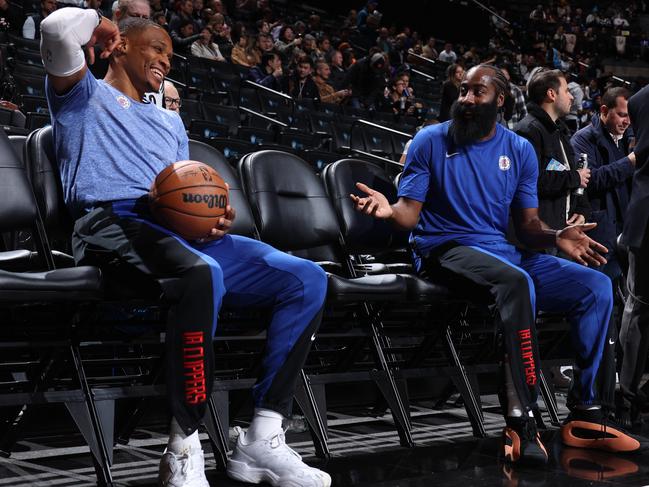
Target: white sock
514,406
264,423
179,442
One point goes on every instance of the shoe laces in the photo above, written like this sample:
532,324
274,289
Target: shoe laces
190,464
278,443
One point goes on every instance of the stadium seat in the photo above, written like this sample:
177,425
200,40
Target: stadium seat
292,212
319,159
257,136
223,115
48,293
298,140
28,84
204,130
191,110
249,98
377,141
362,235
36,104
232,149
321,123
36,120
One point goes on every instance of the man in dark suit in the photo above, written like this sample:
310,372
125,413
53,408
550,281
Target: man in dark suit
634,336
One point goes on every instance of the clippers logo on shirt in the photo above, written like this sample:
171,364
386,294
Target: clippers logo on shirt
124,102
504,163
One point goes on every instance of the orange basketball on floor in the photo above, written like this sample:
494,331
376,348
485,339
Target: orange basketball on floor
188,197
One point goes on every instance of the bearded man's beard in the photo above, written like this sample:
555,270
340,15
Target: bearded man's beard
471,123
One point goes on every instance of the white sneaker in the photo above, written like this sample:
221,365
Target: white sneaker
271,460
186,470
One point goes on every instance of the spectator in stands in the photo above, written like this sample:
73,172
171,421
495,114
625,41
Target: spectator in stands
309,47
460,183
287,42
327,92
549,101
448,54
184,15
223,37
471,57
264,45
398,102
131,8
365,12
161,19
157,8
243,53
204,47
171,97
300,86
428,50
573,118
32,26
367,80
338,72
269,72
519,110
324,47
450,90
398,54
612,164
10,17
184,37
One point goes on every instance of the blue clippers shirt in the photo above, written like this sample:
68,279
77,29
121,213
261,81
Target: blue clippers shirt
110,147
467,193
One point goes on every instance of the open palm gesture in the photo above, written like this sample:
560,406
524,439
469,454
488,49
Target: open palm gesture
374,204
574,242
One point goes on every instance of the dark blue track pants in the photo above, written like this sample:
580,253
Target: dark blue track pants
238,271
522,283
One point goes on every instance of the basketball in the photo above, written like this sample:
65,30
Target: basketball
188,197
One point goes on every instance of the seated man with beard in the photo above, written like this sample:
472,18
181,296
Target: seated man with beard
460,180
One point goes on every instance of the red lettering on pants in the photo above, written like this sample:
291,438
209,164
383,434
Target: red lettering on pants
193,363
528,356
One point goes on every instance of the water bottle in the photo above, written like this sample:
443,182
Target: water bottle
581,164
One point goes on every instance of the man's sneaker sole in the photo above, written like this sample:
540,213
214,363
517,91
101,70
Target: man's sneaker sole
584,434
245,473
535,454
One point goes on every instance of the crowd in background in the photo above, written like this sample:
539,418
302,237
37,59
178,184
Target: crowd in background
364,60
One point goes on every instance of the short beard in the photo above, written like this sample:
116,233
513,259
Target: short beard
467,131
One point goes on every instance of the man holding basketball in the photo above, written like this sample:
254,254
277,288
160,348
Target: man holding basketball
460,180
110,146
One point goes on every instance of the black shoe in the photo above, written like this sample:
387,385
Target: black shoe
594,428
522,443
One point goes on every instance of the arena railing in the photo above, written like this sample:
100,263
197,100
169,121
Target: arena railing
262,116
388,162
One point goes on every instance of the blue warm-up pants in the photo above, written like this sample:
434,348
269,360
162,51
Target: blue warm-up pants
522,283
235,270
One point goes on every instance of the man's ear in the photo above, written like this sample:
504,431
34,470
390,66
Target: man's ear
501,100
603,110
551,95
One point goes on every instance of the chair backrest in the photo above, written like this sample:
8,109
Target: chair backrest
18,209
45,178
18,143
233,150
289,202
361,233
243,223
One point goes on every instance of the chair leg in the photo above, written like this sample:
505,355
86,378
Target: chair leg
548,398
216,423
385,380
133,418
99,452
307,402
471,403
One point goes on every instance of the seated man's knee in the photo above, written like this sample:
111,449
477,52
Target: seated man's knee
203,276
314,280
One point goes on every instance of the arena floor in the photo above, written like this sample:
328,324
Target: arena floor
366,452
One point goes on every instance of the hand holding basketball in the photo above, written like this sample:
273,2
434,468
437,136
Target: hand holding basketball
191,199
223,225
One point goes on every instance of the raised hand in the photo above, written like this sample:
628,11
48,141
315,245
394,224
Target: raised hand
574,242
374,204
106,35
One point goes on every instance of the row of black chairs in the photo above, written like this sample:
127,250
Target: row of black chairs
367,334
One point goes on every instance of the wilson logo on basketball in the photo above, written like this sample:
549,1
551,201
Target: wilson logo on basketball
211,200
